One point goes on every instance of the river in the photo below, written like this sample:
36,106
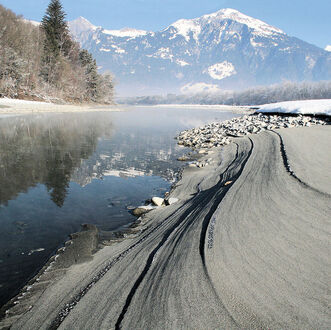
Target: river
58,171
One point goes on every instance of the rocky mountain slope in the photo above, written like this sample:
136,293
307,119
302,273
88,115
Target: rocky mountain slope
225,49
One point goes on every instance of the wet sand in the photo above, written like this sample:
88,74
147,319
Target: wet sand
246,247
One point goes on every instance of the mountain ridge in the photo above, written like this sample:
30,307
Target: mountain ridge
225,49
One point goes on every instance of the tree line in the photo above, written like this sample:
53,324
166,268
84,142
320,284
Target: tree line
287,91
44,62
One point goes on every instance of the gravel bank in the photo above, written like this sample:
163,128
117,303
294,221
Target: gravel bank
220,134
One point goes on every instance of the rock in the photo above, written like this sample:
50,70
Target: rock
158,201
227,183
140,210
192,165
171,200
183,158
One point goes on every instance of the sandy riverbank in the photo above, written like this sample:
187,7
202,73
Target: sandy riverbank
14,106
245,247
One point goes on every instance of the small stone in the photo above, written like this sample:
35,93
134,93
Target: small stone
171,200
140,210
158,201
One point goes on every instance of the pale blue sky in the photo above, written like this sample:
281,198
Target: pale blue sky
306,19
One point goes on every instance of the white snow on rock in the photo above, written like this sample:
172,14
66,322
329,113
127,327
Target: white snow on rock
316,107
185,27
182,63
126,32
163,53
221,70
328,48
118,50
259,27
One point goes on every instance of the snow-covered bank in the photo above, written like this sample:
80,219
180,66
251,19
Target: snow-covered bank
307,107
14,106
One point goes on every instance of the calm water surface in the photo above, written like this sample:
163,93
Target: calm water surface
58,171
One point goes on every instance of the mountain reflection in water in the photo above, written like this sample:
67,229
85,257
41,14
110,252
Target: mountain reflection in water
58,171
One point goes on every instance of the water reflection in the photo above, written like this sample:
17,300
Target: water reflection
46,150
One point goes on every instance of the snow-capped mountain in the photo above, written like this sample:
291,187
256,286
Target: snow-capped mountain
226,49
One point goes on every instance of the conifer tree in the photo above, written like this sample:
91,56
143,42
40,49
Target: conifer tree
92,79
57,40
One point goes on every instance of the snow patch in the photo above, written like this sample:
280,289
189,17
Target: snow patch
185,27
316,107
222,70
182,63
194,88
163,53
126,32
34,23
328,48
118,50
256,44
310,61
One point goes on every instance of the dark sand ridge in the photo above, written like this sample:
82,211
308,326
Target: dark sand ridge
247,246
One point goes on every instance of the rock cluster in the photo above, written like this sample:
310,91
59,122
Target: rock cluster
220,134
156,202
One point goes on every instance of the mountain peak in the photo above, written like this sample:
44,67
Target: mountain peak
255,24
186,26
81,24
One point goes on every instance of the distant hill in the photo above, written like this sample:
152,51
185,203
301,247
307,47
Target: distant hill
225,49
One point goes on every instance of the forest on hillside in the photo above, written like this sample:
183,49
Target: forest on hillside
44,63
287,91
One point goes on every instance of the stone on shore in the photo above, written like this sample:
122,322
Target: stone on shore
140,210
171,200
157,201
219,134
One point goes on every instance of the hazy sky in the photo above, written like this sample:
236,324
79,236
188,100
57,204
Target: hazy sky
306,19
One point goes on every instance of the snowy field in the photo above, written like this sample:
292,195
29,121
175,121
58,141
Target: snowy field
15,106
